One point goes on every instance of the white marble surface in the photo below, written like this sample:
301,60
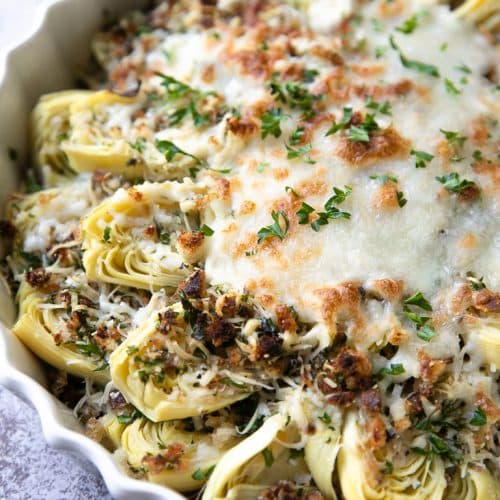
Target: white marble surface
29,468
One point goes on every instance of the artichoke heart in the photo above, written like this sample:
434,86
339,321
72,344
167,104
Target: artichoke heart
416,477
259,463
170,455
167,374
49,128
94,142
144,237
36,328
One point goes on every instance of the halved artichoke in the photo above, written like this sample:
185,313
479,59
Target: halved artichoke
144,236
416,477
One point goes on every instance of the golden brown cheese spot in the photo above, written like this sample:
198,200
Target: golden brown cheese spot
341,303
223,189
247,207
461,299
255,63
397,336
382,145
266,299
430,369
486,301
489,170
247,245
386,196
469,241
242,127
328,54
469,194
479,131
391,9
190,245
280,173
314,186
134,194
368,70
491,410
385,289
45,199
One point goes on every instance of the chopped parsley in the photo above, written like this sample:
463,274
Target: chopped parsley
476,283
304,212
402,201
427,69
441,447
453,183
139,145
455,142
277,229
295,95
206,230
297,136
290,189
383,108
309,75
477,155
393,369
384,178
451,88
339,196
464,69
424,331
453,138
342,124
361,132
421,158
262,166
478,417
106,234
200,475
271,121
268,457
331,211
325,418
409,25
191,97
419,300
299,152
170,150
132,349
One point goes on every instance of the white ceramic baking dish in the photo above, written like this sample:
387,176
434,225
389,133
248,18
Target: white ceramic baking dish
45,61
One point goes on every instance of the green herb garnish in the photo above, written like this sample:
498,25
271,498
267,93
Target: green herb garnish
276,229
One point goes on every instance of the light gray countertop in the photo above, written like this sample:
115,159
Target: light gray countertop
29,468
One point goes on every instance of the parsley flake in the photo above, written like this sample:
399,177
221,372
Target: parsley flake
419,300
451,88
170,150
106,234
393,369
453,183
271,121
421,158
300,152
275,229
427,69
478,417
206,230
409,25
304,212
